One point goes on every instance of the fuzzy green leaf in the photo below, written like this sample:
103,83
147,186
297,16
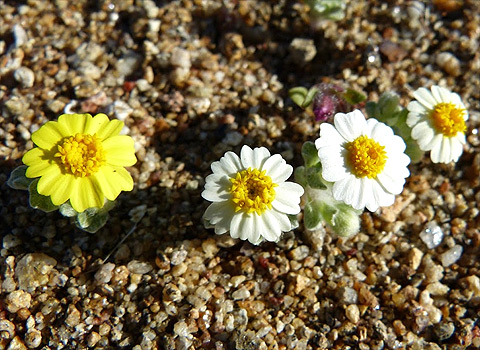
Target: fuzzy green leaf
293,221
353,97
39,201
66,210
346,221
298,94
92,219
314,177
309,97
312,216
18,180
310,154
299,175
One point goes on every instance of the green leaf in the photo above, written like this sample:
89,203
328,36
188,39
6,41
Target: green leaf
18,180
312,217
413,151
299,175
298,94
371,108
329,9
67,210
309,97
39,201
346,221
314,177
310,154
388,104
353,97
293,221
92,219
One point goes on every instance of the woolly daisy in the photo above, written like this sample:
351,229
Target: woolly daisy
437,119
251,197
364,160
81,159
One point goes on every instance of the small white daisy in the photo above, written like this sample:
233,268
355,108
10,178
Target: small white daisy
364,160
437,119
251,197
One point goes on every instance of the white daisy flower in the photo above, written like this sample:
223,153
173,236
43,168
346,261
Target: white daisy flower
364,160
437,119
250,195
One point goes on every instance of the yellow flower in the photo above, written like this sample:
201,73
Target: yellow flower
82,159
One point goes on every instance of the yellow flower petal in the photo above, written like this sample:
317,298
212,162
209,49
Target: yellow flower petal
120,150
96,124
74,123
49,135
39,169
113,129
38,162
48,182
86,194
64,187
104,180
113,180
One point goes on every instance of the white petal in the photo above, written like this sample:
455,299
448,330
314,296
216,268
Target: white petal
441,94
416,108
423,134
392,182
440,153
270,227
380,132
350,125
277,168
283,220
333,163
457,148
220,215
437,139
328,136
215,194
381,198
425,97
287,198
253,158
460,137
346,190
228,165
244,226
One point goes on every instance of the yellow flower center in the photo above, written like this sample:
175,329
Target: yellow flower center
448,119
366,157
81,155
252,191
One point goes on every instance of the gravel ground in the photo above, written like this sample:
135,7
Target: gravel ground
193,79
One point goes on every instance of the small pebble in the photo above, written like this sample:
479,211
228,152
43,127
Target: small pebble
353,313
33,338
17,300
139,267
302,50
432,235
104,274
33,270
24,76
449,63
299,253
241,294
452,255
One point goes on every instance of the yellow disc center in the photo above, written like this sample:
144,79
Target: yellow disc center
81,155
448,119
252,191
366,157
